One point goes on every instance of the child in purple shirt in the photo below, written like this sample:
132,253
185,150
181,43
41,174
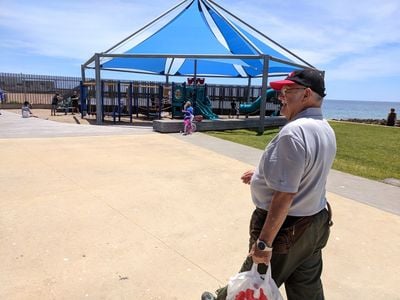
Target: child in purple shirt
188,118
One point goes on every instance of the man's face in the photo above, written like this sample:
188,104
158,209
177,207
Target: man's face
291,97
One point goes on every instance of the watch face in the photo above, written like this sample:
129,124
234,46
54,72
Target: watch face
261,245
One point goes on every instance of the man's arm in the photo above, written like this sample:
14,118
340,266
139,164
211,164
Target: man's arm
277,214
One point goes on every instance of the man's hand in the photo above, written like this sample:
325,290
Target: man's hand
260,257
246,177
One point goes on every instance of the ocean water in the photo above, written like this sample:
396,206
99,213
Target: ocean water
346,109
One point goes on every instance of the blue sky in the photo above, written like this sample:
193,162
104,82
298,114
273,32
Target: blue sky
357,43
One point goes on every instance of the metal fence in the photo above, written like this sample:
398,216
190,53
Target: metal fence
39,89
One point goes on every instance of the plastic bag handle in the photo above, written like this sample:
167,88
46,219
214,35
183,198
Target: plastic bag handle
254,271
268,275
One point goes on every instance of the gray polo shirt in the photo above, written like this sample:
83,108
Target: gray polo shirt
298,161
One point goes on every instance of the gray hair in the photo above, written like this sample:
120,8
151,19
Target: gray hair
317,96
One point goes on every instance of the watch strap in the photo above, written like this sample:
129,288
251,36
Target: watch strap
263,246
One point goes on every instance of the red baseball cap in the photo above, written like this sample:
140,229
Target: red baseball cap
310,78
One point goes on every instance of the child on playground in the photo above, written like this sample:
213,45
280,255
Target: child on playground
26,110
188,118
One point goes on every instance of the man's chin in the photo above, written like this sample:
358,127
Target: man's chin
283,113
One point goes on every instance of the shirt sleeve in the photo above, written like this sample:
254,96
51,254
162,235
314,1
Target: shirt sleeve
284,164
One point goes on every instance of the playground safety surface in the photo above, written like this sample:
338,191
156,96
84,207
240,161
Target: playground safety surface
122,212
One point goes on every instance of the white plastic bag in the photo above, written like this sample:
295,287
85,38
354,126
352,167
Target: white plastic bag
251,286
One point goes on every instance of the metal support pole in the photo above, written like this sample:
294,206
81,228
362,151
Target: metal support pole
99,113
83,75
248,89
136,102
195,84
82,99
148,99
130,101
119,100
83,108
160,100
263,93
102,106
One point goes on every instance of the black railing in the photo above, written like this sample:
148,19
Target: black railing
39,89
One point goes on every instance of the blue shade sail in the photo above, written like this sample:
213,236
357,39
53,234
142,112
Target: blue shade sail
186,34
264,48
204,67
197,27
155,65
237,44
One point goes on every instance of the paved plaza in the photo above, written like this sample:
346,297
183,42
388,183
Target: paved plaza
122,212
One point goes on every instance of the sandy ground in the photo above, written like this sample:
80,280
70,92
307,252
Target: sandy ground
45,114
76,118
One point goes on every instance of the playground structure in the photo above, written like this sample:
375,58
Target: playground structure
197,95
272,105
224,46
125,99
151,101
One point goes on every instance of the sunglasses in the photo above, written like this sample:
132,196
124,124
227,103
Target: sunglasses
284,92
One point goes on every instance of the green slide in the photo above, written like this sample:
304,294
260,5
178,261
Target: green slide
253,107
204,109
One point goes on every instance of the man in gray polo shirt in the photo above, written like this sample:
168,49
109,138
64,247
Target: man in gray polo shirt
290,224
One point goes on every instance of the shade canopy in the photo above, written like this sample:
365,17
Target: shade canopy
198,37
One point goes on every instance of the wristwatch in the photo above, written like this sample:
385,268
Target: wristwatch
263,246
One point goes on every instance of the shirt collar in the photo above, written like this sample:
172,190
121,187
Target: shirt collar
311,112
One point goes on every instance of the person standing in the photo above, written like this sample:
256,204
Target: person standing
291,221
391,118
234,110
75,102
54,103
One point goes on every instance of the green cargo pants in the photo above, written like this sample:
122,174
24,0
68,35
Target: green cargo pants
300,269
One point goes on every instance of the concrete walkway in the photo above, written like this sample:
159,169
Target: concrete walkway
12,125
125,213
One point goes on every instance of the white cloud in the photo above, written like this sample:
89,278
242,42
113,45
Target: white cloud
323,32
381,63
73,29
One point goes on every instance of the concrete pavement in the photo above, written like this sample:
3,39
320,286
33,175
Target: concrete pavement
14,126
125,213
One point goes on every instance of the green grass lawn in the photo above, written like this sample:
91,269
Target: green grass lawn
369,151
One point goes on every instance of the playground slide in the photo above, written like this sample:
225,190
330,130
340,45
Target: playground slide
206,110
253,107
249,108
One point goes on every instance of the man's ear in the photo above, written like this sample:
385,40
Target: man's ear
307,95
